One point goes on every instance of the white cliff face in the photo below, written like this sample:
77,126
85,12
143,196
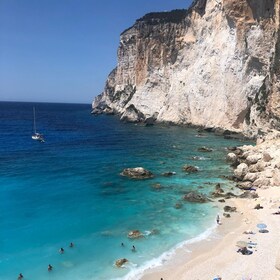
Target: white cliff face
214,65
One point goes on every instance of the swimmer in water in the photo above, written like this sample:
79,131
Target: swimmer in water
61,250
50,267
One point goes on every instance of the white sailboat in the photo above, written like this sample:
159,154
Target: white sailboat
36,136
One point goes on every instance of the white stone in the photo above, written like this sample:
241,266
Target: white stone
252,159
241,170
231,157
250,177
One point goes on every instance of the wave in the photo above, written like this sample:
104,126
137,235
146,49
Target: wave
200,158
138,272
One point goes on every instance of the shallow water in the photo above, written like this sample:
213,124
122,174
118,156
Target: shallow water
69,190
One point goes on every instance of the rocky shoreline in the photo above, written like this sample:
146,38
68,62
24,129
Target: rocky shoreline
257,166
256,174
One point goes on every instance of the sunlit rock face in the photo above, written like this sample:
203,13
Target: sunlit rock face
216,64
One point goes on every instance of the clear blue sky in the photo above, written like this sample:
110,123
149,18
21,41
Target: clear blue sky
63,50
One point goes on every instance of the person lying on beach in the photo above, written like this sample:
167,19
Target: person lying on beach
248,232
276,213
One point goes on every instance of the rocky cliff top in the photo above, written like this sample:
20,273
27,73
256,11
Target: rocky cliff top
216,64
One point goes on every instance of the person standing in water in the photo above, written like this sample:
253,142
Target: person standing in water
218,219
20,276
71,245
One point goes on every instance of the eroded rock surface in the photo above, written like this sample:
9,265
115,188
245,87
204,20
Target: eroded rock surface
213,65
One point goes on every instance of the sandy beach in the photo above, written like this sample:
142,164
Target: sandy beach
218,256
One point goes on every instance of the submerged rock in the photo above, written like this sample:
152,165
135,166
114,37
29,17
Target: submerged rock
134,234
190,168
178,205
205,149
157,186
120,262
137,173
219,192
194,196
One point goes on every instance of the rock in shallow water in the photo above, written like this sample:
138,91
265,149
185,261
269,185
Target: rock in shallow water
120,262
196,197
190,168
137,173
241,171
134,234
205,149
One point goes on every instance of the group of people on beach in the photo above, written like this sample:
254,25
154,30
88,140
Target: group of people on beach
50,267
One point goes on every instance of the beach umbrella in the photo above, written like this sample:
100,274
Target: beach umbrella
241,244
261,226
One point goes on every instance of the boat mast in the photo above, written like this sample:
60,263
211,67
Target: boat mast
34,123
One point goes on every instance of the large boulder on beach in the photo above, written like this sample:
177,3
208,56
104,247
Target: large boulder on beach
266,156
228,208
258,167
137,173
244,186
275,181
231,157
190,168
120,262
194,196
248,194
241,171
268,172
250,177
252,159
261,182
134,234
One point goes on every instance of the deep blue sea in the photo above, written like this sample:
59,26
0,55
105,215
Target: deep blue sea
69,189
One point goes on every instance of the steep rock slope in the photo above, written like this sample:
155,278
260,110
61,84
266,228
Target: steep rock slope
216,64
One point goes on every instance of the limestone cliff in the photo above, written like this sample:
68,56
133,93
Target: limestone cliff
216,64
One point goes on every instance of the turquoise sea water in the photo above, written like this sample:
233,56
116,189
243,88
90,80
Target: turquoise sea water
69,190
